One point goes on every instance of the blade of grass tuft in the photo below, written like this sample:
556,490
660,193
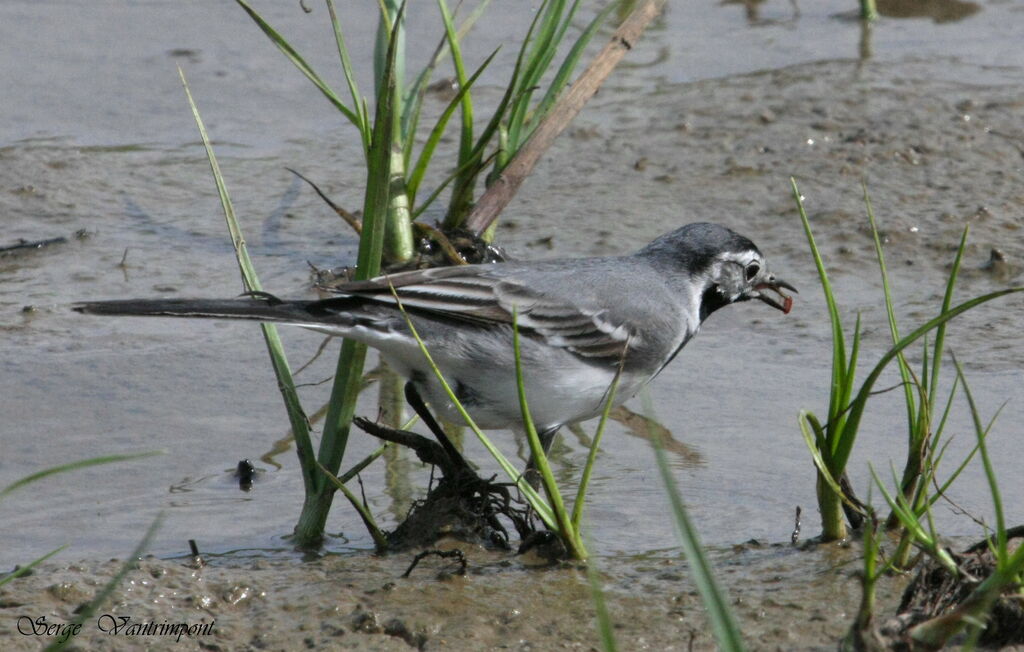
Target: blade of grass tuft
947,300
990,473
427,152
250,282
88,610
301,64
859,403
605,627
561,78
727,631
27,568
379,538
362,120
890,311
570,535
840,379
462,190
349,370
581,492
72,466
418,90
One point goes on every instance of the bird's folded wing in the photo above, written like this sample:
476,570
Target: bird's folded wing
471,293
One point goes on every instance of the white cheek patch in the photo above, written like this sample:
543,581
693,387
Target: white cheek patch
728,271
743,259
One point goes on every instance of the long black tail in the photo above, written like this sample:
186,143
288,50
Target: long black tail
258,309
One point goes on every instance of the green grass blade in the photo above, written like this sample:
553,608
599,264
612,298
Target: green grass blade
427,152
475,163
859,403
726,630
87,611
362,119
72,466
301,64
376,202
890,310
379,538
837,426
970,456
947,300
581,492
462,191
417,91
22,570
605,627
909,520
569,64
839,365
285,382
540,54
990,473
815,437
570,536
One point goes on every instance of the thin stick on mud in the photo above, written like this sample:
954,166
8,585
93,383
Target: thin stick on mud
794,538
455,553
505,186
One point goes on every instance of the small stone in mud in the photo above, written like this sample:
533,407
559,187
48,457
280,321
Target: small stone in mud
399,629
366,622
68,592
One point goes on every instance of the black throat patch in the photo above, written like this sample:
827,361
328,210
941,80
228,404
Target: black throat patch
711,301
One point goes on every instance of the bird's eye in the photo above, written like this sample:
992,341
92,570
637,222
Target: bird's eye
752,270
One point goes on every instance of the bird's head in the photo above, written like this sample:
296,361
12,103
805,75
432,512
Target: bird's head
720,266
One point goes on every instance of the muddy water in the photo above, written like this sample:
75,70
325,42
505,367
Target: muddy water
716,109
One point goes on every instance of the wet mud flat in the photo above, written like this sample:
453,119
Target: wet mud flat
784,597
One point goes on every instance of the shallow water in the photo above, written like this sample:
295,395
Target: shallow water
714,112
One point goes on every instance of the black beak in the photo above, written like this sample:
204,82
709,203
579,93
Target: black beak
784,302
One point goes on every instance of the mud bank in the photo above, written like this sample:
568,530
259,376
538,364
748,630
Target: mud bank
785,599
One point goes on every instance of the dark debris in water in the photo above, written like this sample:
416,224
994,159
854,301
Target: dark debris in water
22,246
434,248
466,509
462,505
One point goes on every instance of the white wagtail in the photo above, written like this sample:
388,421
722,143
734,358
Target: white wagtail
579,321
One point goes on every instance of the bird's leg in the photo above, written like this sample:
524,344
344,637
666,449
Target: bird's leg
412,396
547,437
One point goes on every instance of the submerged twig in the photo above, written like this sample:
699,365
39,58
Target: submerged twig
26,245
350,218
